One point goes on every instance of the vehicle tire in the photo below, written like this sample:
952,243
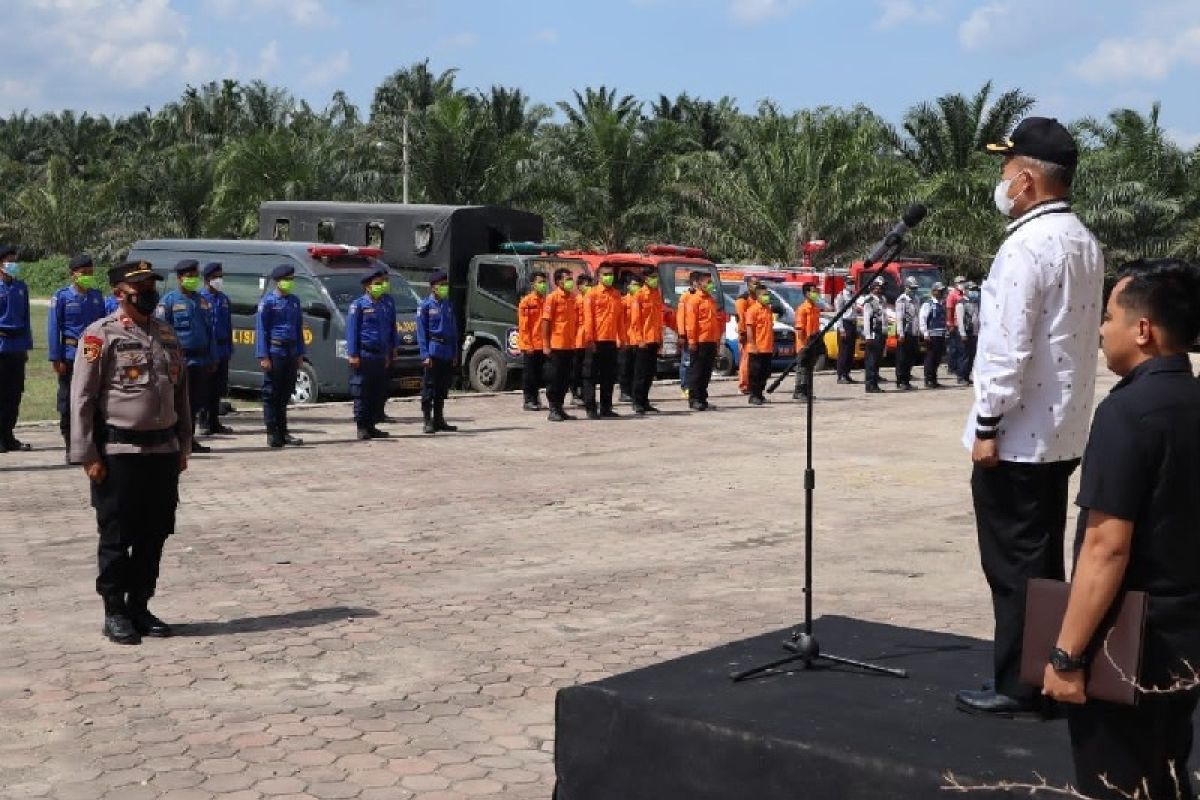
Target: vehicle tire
306,391
487,370
725,365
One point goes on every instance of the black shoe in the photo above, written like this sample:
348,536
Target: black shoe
992,703
962,382
757,401
384,420
556,415
638,411
846,379
799,396
200,448
429,427
593,414
873,389
442,425
375,433
649,409
15,446
223,430
147,624
609,414
533,406
904,387
292,441
205,432
707,406
119,628
695,405
363,434
274,440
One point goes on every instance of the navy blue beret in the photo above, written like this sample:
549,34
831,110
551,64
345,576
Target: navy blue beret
437,277
187,265
283,271
7,250
378,272
80,261
210,268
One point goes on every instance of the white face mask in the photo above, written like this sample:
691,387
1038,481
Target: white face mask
1004,203
216,284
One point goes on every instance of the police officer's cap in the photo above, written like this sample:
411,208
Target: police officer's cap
80,261
7,250
972,285
211,268
938,287
283,271
438,277
911,283
132,272
187,265
960,279
877,282
1042,138
378,272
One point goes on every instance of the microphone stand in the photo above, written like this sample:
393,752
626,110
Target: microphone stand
803,645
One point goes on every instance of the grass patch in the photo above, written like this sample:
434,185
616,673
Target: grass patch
41,384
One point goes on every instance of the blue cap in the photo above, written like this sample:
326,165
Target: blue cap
210,268
79,261
378,272
187,265
283,271
438,277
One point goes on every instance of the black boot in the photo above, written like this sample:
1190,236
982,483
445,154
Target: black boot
439,418
363,434
288,439
118,627
556,414
427,411
143,621
274,437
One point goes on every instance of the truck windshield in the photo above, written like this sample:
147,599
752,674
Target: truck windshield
926,277
345,288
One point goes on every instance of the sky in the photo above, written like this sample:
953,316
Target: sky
1077,57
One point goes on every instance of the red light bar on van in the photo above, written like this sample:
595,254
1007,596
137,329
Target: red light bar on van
675,250
343,250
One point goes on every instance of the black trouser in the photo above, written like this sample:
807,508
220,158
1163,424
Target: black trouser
760,371
218,387
627,362
966,359
953,350
906,357
644,369
560,377
197,377
435,386
577,372
135,513
700,371
531,374
63,402
278,384
806,362
369,390
874,357
600,372
1132,744
934,349
847,339
12,387
1020,517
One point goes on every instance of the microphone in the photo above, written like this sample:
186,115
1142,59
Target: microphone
911,219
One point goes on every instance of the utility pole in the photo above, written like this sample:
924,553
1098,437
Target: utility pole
404,146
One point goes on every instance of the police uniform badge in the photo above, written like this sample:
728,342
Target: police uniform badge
92,345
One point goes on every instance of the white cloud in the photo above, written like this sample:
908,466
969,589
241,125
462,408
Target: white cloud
902,12
268,60
984,25
324,73
1148,57
752,11
306,13
459,41
1185,139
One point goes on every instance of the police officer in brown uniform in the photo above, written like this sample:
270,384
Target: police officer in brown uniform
131,428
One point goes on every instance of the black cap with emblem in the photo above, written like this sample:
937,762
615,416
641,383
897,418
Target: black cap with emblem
132,272
1042,138
187,265
378,272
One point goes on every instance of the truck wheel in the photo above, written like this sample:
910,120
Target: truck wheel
488,370
725,365
306,386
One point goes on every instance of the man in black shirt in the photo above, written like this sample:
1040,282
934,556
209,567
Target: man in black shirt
1139,497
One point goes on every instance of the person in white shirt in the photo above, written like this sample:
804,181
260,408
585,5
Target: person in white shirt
847,332
908,330
932,321
1035,373
966,322
874,331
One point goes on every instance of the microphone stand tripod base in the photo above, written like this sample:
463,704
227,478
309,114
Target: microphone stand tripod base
805,649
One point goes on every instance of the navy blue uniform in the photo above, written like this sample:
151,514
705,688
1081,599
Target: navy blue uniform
437,336
16,340
189,315
222,350
111,304
279,336
70,313
370,337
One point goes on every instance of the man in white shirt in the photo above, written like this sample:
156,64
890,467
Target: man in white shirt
874,332
966,322
1035,373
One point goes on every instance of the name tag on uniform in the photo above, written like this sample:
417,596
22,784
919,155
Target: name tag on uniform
179,307
434,310
124,347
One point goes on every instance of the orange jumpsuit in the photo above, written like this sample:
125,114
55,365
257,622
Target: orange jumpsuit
604,331
529,322
808,325
760,340
739,307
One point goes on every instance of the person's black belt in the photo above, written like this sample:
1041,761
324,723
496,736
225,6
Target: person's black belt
371,352
283,343
139,438
195,353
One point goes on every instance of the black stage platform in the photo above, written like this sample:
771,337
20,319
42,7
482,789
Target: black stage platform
683,731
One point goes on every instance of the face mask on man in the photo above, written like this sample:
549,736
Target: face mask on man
377,290
711,288
12,269
286,285
1004,203
652,283
144,301
539,287
190,283
607,280
973,295
568,285
442,291
765,299
216,284
634,287
86,282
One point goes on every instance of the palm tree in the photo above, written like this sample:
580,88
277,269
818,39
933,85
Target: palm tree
944,135
63,214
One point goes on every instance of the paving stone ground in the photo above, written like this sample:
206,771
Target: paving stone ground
392,619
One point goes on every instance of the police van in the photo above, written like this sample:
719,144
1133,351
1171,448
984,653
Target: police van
328,279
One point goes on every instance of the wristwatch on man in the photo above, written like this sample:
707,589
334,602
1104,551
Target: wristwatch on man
1062,661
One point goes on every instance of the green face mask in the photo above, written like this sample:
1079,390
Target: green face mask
711,288
190,283
442,291
540,287
813,296
86,282
765,299
633,288
568,285
377,290
607,280
286,285
584,288
652,283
